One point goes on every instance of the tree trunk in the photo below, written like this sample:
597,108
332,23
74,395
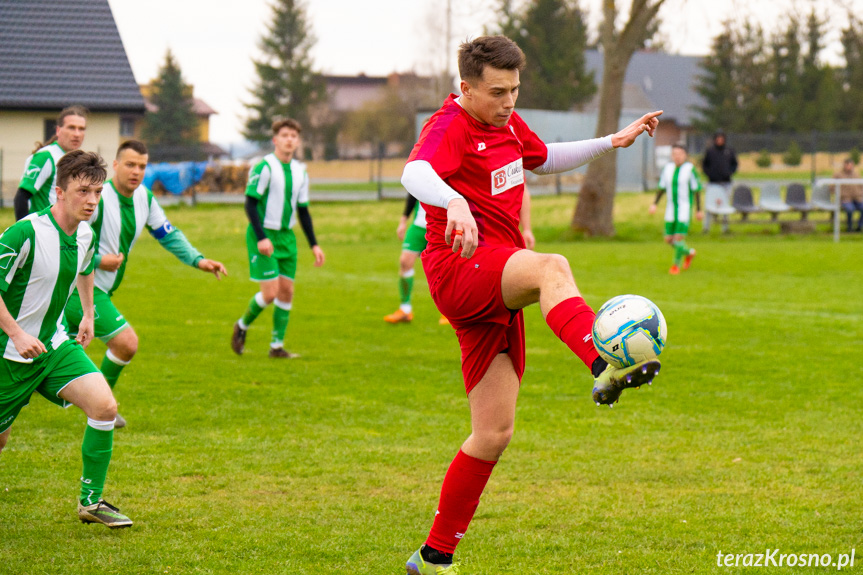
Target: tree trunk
595,204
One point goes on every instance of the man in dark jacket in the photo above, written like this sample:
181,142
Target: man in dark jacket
719,164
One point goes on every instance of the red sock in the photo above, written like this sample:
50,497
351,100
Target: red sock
459,498
572,321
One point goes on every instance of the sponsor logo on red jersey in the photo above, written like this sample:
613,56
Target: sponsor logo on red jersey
507,177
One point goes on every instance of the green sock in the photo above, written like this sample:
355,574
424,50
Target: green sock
406,286
111,369
96,452
256,306
681,250
281,314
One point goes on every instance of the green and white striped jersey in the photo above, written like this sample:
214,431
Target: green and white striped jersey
679,183
40,176
118,222
40,264
270,181
419,216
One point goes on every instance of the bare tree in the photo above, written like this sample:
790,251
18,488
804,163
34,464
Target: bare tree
593,209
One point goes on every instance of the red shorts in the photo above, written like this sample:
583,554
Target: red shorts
468,293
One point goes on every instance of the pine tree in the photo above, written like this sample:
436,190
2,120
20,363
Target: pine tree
716,84
173,127
852,75
553,36
287,85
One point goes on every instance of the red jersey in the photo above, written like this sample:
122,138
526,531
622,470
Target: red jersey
484,164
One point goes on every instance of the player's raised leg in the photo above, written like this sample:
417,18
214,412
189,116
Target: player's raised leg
492,412
531,277
92,394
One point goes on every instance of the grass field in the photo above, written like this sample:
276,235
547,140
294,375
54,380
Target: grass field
749,439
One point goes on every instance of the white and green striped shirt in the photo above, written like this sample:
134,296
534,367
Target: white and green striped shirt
270,181
420,216
40,176
118,222
679,183
40,264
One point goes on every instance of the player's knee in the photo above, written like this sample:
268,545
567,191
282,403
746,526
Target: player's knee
497,440
406,261
130,345
105,409
557,265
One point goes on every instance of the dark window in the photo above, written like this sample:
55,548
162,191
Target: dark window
127,127
50,130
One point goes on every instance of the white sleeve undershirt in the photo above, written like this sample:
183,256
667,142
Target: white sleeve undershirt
423,183
566,156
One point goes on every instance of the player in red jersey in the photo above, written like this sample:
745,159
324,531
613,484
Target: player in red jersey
468,171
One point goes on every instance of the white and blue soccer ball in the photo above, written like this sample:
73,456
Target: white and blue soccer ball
629,329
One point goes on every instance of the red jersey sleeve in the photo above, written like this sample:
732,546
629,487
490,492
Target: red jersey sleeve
442,141
535,150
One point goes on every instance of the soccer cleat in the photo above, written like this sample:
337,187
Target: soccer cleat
443,320
282,353
611,382
687,261
417,566
238,340
119,421
674,270
104,513
399,316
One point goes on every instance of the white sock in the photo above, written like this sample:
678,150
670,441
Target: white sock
406,307
101,425
282,305
408,274
114,359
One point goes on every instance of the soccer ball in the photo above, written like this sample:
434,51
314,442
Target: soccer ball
629,329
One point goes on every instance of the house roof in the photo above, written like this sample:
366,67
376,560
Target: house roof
55,54
668,81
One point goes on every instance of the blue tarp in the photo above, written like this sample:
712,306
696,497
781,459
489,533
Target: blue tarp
176,177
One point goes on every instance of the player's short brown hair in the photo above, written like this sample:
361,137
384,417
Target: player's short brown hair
134,145
280,123
80,164
496,51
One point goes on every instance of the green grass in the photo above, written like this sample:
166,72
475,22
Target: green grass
750,438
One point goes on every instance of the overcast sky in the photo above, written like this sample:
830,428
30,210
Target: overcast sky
214,42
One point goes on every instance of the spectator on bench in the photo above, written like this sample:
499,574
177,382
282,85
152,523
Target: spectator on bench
851,195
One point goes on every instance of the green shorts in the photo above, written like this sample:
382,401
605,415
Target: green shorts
415,239
48,374
108,322
283,262
676,228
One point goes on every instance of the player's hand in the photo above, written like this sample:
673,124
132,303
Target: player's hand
529,240
403,226
461,231
627,136
265,246
111,262
319,256
213,267
27,346
652,209
85,332
699,215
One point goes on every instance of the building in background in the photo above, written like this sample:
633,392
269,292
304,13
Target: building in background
48,61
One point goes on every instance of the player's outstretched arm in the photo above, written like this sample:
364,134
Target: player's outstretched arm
627,136
26,345
85,291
